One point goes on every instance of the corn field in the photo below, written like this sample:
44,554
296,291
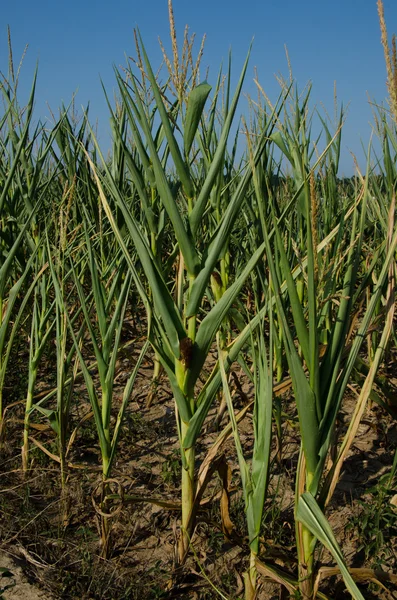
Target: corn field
198,351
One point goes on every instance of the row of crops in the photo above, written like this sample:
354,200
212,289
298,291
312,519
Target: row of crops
230,245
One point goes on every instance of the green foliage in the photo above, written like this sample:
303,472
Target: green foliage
376,524
262,255
171,468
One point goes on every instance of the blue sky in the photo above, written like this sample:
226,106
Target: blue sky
77,42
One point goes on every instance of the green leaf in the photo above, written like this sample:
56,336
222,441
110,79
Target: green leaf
211,323
195,107
211,387
217,163
180,164
221,235
51,415
296,307
311,516
279,141
126,396
164,304
21,144
182,234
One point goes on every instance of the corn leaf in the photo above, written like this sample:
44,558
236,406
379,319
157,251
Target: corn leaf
195,106
310,515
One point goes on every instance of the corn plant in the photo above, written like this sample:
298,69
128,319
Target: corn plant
9,296
255,479
180,339
263,256
42,326
109,305
319,390
58,252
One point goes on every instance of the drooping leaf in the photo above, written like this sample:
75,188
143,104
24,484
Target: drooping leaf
195,107
311,516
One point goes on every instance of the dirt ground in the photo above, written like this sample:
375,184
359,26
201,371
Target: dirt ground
18,586
51,545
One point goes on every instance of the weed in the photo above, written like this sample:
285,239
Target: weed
376,525
171,468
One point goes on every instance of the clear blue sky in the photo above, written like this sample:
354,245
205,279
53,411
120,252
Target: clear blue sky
77,42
